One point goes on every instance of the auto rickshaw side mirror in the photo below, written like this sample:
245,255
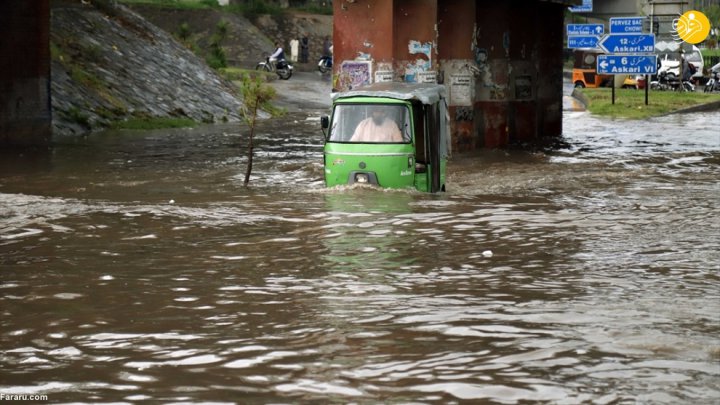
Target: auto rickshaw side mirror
324,122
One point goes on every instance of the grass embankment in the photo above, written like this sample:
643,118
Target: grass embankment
630,103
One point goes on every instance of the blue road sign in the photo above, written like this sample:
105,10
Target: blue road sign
582,41
628,43
624,25
586,7
585,29
626,64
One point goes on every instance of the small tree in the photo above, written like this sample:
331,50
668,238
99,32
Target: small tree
256,95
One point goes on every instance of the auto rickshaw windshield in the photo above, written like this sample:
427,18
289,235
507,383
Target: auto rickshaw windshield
370,123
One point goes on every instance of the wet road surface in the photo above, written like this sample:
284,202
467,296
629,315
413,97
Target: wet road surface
136,267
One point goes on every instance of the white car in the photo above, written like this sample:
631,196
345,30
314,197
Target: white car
669,63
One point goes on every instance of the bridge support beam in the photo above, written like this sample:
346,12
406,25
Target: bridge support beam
25,108
501,61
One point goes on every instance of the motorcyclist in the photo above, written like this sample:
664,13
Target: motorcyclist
278,55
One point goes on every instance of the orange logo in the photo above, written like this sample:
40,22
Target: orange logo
692,27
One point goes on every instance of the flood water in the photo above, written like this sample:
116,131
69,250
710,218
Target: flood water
136,267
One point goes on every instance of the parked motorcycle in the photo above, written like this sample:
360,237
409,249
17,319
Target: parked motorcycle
325,64
282,68
714,83
665,81
668,81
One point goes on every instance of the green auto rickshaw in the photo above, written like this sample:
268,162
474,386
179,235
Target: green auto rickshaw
392,135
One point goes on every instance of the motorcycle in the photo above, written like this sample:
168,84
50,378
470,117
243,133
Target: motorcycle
282,68
668,81
325,64
665,81
714,83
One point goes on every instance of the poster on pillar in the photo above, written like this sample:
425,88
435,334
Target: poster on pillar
461,87
414,71
354,74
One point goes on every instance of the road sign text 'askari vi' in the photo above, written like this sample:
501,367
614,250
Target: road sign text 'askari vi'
627,64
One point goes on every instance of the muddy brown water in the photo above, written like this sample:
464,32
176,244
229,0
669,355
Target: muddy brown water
136,267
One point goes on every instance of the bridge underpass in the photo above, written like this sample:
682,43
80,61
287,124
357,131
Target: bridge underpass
501,63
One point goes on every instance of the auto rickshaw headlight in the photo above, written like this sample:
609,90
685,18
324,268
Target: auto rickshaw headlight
361,178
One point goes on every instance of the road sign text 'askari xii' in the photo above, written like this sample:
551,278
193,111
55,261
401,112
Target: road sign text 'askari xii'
629,50
628,43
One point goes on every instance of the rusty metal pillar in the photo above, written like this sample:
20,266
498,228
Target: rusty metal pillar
362,41
518,53
456,30
415,46
25,110
549,38
492,42
501,61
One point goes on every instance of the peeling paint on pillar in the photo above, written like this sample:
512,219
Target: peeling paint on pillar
361,30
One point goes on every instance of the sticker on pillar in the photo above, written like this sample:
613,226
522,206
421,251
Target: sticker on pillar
412,70
354,74
523,87
383,76
427,77
461,90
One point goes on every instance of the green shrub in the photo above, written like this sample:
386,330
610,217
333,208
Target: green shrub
184,32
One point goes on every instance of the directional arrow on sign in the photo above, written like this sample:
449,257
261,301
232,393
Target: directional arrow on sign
626,64
628,43
585,29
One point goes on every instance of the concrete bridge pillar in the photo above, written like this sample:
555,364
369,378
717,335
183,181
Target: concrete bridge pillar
501,61
25,108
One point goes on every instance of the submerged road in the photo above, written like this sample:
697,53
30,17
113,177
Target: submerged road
135,267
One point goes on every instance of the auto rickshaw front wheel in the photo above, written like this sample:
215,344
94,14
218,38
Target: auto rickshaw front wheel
579,84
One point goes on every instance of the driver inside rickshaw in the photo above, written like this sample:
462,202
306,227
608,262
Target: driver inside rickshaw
377,128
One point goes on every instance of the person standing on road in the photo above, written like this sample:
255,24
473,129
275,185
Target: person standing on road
685,66
304,48
294,44
327,46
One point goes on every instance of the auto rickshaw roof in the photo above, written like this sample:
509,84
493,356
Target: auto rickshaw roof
426,93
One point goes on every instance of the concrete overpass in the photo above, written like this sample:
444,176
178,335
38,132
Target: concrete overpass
501,61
